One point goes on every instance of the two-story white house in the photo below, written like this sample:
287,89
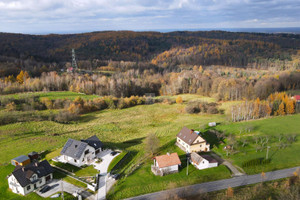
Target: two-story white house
191,141
25,179
82,152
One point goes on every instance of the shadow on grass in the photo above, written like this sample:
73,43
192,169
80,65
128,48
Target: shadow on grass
213,137
86,118
125,144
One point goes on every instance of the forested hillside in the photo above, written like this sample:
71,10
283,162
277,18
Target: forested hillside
39,53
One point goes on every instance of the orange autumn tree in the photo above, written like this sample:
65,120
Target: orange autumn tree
290,107
280,110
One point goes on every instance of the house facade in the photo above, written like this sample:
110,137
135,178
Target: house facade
191,141
25,179
82,152
203,161
166,164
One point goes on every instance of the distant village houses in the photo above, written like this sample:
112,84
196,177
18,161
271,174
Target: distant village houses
190,141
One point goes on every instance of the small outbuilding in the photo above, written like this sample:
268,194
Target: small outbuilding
33,156
20,160
166,164
203,161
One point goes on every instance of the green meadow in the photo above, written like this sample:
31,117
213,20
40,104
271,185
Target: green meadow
126,129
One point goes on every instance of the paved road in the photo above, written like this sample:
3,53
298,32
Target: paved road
218,185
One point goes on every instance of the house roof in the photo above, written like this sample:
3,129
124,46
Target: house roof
297,97
196,158
74,148
23,174
168,160
32,153
187,135
94,142
209,159
21,158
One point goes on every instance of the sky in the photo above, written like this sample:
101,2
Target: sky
74,16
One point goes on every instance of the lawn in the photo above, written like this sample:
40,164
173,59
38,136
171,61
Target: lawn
148,182
116,160
51,95
280,157
127,129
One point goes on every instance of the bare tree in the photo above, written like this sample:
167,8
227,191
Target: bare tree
152,143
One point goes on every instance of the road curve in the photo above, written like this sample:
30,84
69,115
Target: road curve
218,185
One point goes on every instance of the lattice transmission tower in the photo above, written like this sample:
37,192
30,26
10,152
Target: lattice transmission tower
74,63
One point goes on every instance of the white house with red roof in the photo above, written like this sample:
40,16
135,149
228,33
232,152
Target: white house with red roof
166,164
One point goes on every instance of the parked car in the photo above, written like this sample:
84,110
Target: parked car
113,153
45,189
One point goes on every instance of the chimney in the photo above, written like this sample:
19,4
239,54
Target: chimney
192,131
168,153
36,164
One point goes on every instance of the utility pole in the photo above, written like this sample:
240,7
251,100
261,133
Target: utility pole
187,164
62,190
268,147
74,63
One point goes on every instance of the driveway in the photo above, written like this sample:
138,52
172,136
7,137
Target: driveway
57,186
103,166
217,185
228,164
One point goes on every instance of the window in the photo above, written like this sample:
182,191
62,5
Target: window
200,145
75,160
82,159
86,152
28,187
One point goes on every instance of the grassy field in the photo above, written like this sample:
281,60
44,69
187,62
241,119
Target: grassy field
127,128
51,95
280,157
148,182
116,160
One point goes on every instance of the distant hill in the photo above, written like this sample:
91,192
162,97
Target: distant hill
121,45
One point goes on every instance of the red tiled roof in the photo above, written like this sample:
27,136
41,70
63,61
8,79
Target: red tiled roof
297,97
168,160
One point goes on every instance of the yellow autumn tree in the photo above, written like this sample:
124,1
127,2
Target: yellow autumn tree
179,100
230,192
290,107
22,76
280,110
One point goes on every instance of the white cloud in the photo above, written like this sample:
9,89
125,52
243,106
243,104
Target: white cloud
92,15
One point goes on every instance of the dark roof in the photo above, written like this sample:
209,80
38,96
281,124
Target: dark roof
21,158
196,158
32,153
187,135
209,158
94,142
23,174
74,148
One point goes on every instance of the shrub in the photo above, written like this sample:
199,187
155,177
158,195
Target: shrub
179,100
11,106
192,108
212,110
65,116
